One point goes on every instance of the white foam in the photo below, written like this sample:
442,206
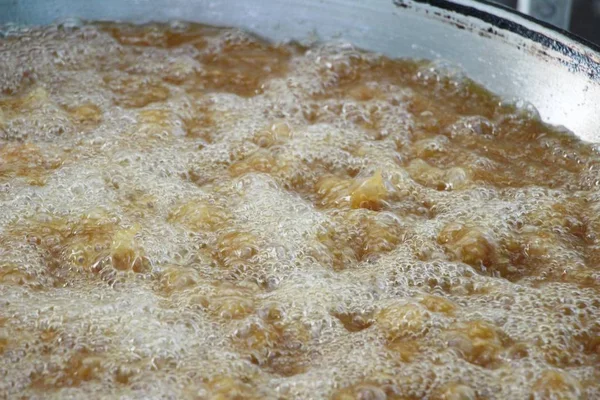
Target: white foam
162,325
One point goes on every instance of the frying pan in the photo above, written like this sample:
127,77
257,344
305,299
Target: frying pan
510,54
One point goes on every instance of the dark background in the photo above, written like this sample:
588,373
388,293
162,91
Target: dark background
585,18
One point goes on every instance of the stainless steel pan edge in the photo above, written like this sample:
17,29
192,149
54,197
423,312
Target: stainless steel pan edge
508,53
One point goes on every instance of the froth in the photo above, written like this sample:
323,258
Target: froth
190,212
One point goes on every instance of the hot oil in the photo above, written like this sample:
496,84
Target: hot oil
192,212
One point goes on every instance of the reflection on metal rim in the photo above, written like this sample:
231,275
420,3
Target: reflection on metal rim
580,61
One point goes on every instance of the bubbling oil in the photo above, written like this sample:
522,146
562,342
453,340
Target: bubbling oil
192,212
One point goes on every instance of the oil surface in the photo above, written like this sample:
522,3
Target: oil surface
191,212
